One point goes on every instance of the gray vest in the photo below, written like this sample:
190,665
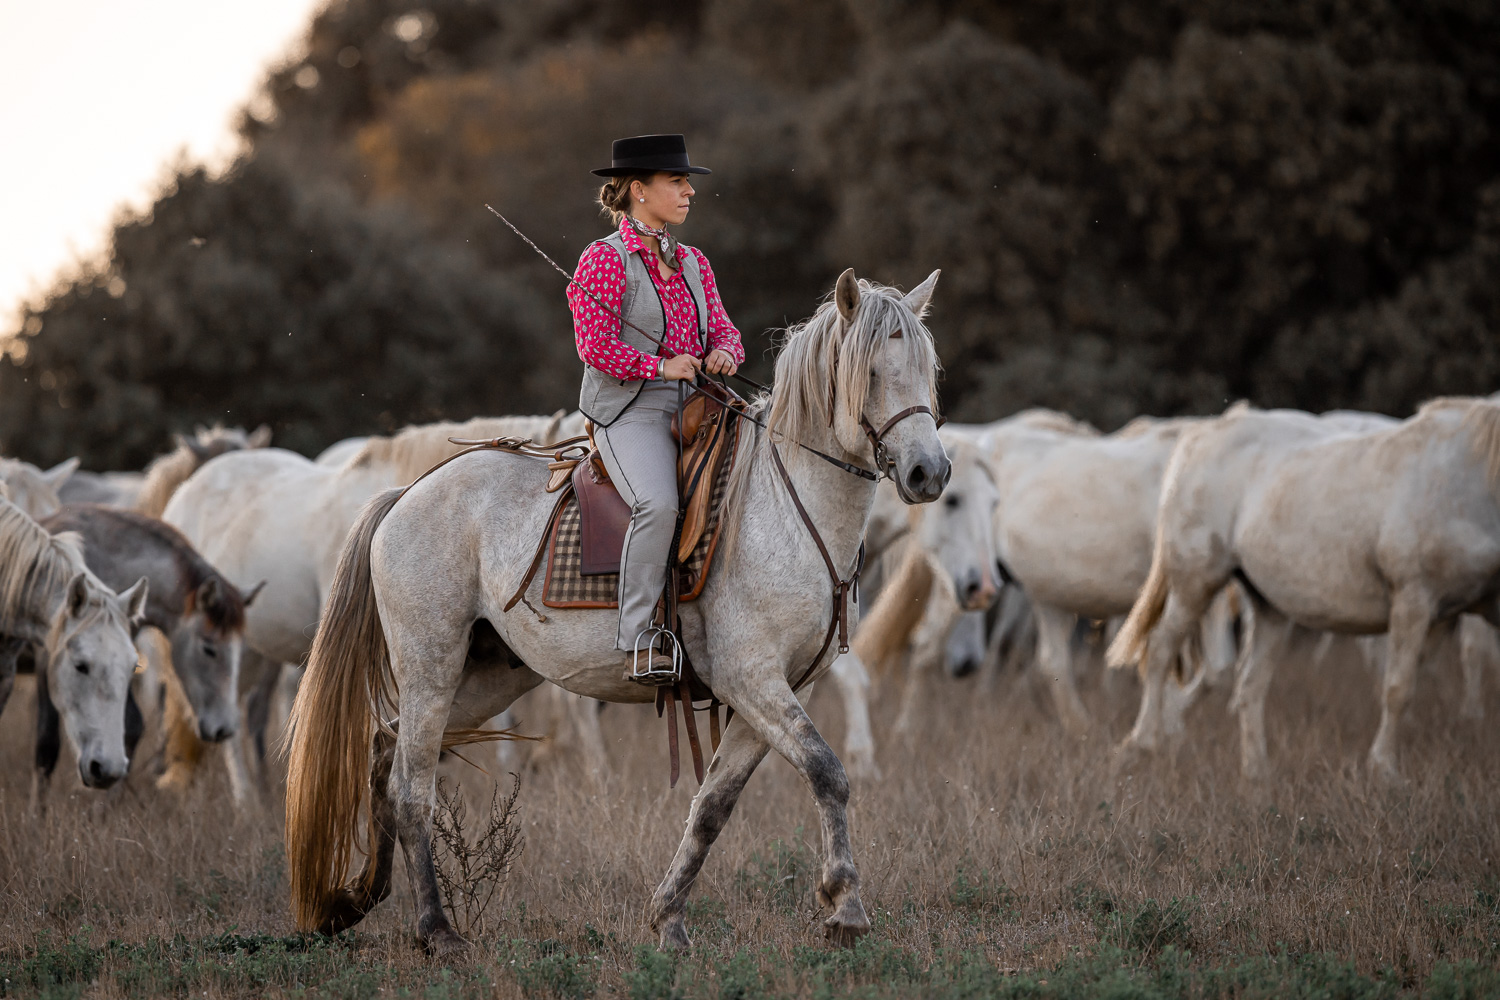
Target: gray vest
604,397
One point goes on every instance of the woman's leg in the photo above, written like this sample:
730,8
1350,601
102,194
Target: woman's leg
641,455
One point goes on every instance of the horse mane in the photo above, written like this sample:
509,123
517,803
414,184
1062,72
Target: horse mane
32,560
416,448
1141,426
824,358
1481,418
228,615
169,471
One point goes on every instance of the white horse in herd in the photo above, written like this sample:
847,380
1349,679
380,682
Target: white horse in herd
1392,530
416,575
271,515
32,489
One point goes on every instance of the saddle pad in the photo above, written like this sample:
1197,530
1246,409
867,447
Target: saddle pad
567,587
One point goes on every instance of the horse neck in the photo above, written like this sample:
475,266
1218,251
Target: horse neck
839,503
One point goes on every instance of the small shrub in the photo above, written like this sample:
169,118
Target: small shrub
471,872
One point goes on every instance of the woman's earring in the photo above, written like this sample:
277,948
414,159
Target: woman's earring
642,200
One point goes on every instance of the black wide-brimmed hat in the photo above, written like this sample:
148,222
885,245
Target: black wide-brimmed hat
648,153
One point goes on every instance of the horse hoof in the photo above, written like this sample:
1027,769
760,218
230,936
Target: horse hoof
345,910
445,943
674,936
848,924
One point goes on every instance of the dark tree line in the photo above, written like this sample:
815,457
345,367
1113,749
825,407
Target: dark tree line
1138,207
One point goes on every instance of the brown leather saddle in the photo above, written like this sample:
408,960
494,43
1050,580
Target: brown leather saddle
585,536
604,514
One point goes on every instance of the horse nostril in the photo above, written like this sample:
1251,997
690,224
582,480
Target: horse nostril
917,477
96,771
947,474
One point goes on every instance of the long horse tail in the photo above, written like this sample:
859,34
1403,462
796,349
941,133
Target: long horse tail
1129,646
886,630
333,723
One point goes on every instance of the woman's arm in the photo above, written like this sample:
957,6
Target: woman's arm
597,329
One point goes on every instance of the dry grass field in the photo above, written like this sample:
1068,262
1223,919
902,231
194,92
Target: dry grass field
998,858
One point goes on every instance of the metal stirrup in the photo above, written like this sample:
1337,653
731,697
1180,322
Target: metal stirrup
652,634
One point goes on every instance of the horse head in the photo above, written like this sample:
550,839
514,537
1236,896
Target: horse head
207,643
91,657
881,366
959,529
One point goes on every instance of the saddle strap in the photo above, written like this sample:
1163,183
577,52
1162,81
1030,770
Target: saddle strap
541,550
841,586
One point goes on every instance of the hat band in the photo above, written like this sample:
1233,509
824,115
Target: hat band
658,161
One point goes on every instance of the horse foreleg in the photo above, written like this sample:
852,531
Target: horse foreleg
1054,655
853,682
739,753
780,720
1411,616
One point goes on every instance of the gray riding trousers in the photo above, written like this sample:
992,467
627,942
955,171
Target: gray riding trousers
641,456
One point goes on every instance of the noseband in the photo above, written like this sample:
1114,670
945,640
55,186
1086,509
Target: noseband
883,462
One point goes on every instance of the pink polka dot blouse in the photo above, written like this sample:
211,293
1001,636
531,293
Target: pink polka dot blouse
597,331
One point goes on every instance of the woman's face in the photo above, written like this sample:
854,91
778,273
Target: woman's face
667,199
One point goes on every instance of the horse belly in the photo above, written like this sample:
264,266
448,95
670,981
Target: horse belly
1315,565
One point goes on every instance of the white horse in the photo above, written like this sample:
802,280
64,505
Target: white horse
1074,529
31,489
267,514
1389,530
417,575
82,630
937,549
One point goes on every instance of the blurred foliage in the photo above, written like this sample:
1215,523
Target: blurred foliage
1138,206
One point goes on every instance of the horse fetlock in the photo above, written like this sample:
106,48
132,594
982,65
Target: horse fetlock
840,882
347,908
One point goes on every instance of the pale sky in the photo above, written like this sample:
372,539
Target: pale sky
98,97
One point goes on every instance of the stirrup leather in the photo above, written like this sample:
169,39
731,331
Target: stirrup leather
640,670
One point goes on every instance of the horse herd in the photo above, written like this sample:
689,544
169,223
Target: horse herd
1206,545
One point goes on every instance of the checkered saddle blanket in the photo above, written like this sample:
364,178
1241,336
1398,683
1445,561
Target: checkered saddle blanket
567,587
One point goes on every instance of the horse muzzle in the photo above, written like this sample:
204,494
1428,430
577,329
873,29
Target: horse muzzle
97,772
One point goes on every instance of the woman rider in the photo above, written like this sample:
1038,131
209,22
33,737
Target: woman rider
631,386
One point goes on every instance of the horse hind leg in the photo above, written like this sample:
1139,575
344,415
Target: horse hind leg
1260,652
1179,616
739,753
374,883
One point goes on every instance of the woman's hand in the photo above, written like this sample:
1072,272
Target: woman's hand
720,363
680,368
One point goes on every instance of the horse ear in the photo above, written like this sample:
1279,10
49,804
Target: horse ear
550,434
260,437
210,595
59,473
249,595
134,600
192,445
78,595
920,298
846,293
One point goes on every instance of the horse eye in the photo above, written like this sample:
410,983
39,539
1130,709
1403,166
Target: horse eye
952,500
210,651
81,666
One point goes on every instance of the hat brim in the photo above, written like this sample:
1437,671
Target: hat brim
621,171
